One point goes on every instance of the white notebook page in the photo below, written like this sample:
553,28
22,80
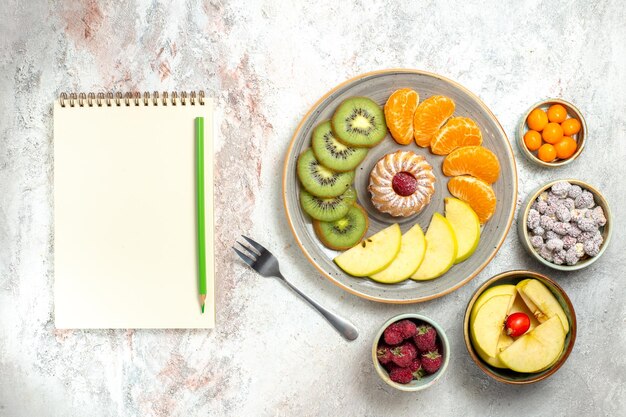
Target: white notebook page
125,246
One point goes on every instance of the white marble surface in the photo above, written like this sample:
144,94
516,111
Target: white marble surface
266,62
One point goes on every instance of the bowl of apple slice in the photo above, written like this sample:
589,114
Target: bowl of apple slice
519,327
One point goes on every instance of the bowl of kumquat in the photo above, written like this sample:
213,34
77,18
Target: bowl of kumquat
552,133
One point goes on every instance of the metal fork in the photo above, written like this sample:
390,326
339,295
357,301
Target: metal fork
266,264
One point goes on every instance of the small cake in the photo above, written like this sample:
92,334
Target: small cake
402,184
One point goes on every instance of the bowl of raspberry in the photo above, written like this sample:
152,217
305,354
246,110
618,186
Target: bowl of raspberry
565,224
410,352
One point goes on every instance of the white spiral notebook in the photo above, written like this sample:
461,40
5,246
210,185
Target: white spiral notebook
125,244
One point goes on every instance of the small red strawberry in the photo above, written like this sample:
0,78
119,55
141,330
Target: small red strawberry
426,338
416,369
401,375
383,354
431,361
404,354
407,328
393,334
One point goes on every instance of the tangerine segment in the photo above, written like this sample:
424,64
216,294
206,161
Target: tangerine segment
476,161
459,131
399,111
430,115
477,193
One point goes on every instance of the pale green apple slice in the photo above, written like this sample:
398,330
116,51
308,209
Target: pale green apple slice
488,324
466,226
373,254
408,260
441,249
537,349
541,302
505,289
556,359
503,342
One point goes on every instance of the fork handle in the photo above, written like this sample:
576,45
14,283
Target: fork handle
343,326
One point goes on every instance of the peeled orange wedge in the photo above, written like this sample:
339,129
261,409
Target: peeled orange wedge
459,131
399,111
475,192
476,161
429,116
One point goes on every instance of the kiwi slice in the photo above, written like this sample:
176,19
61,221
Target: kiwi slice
333,154
343,233
327,209
360,122
319,180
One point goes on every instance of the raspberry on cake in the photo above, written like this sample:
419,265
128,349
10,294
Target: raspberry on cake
402,184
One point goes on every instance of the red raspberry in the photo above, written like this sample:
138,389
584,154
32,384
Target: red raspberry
404,184
416,369
393,334
389,366
407,328
383,354
426,338
431,361
404,354
396,332
401,375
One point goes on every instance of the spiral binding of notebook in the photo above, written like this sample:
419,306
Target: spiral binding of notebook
136,98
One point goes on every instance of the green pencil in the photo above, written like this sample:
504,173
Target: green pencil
200,210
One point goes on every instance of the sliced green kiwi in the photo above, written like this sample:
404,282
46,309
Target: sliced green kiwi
319,180
360,122
327,209
343,233
333,154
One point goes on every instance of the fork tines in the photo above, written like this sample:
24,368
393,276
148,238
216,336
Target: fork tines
244,257
256,246
250,256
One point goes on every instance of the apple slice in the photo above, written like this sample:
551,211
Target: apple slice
440,249
506,289
554,361
408,260
488,325
537,349
466,226
373,254
503,342
541,302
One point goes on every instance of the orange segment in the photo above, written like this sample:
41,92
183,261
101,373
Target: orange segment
477,193
399,111
430,115
476,161
459,131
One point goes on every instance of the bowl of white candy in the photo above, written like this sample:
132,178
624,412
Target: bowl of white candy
565,224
